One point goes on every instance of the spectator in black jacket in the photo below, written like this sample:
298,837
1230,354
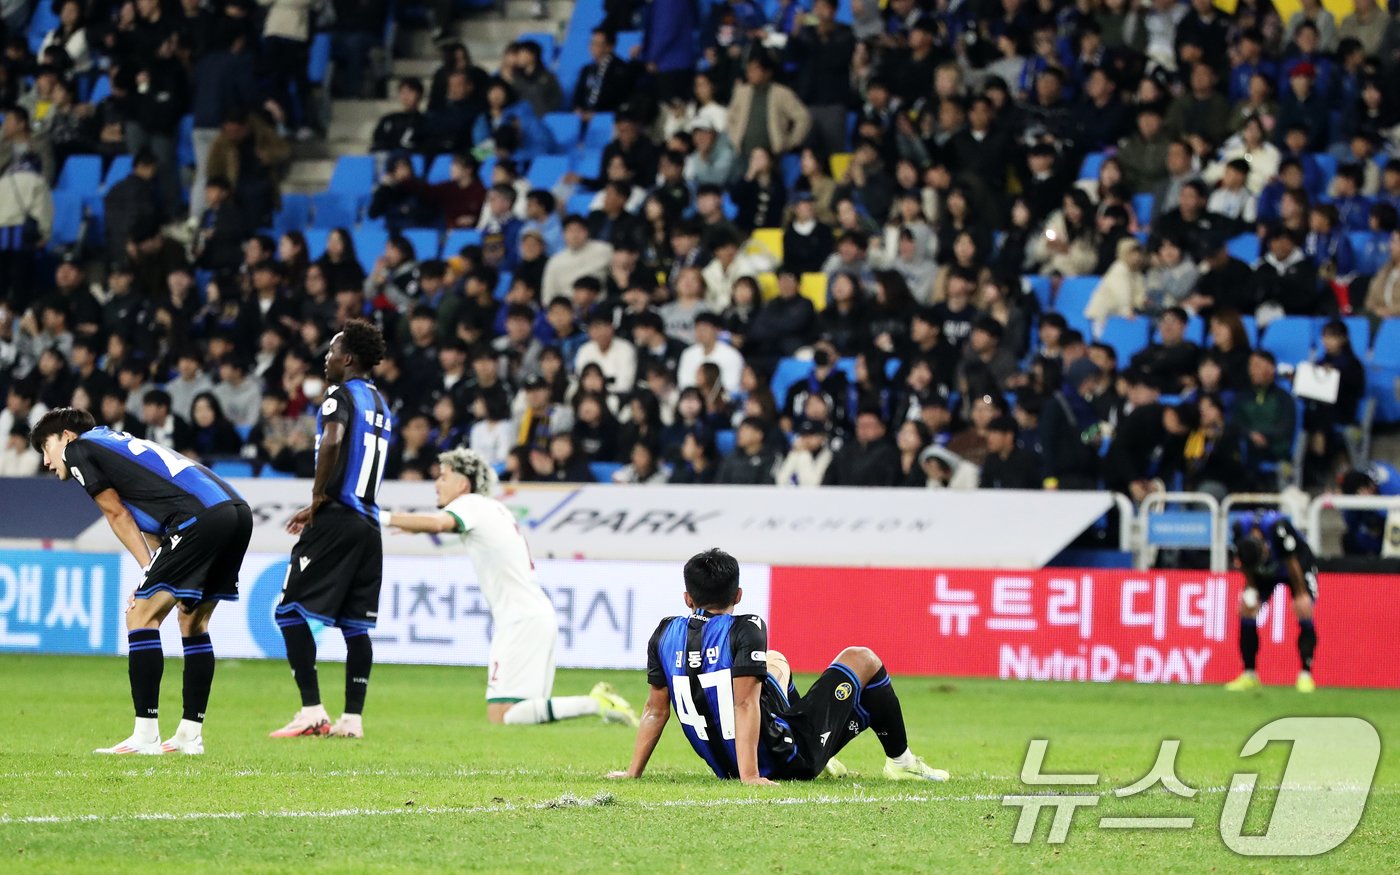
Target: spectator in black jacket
751,463
160,99
1069,430
130,200
402,130
822,53
869,460
403,199
1285,278
806,241
1008,466
1172,359
222,229
359,27
605,84
782,325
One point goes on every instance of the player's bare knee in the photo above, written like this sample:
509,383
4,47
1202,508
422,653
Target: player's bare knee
861,660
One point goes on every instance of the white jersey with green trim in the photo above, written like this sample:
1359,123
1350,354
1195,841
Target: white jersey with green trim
504,570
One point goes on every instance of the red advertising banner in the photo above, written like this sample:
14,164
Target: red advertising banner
1079,624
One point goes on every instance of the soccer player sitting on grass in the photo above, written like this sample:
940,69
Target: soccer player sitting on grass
521,661
1269,551
736,702
152,495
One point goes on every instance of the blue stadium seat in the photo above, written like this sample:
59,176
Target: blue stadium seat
441,169
232,468
316,242
426,242
1327,163
295,214
1245,247
573,53
587,163
725,440
1372,249
847,366
546,171
1196,330
243,431
792,170
334,209
729,208
1251,330
1039,286
101,90
353,175
268,472
546,43
627,40
564,127
67,217
1073,297
600,131
1128,337
1142,206
318,58
503,283
119,169
579,203
788,372
1358,328
1290,339
1383,371
1089,167
81,174
369,245
459,238
603,471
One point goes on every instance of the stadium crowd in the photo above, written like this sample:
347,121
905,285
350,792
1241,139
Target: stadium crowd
998,244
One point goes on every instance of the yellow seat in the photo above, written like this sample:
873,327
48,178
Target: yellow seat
767,242
839,162
814,289
768,285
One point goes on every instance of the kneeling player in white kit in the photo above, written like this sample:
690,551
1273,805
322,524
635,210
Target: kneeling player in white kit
521,662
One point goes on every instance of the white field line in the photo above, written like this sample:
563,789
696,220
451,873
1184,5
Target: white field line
824,800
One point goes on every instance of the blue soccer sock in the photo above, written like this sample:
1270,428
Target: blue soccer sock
145,663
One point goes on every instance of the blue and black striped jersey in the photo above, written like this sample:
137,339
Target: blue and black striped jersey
696,658
364,447
162,489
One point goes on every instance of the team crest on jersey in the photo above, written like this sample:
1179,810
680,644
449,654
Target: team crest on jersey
843,692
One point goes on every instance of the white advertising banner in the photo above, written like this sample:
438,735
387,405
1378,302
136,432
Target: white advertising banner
432,611
882,528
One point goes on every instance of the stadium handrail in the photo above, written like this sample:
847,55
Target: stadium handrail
1313,532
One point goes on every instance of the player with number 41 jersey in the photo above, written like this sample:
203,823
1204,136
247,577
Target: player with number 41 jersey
338,562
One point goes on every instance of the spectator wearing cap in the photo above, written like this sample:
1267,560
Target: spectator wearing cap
616,357
250,154
580,257
807,462
822,49
765,114
1070,427
1285,280
869,460
712,161
751,463
1008,465
240,397
709,347
1304,104
605,83
402,199
540,419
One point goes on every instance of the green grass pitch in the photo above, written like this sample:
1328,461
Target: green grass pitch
434,788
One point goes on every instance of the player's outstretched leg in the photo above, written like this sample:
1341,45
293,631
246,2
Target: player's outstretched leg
1307,642
312,719
602,701
1249,643
199,678
359,659
145,664
878,699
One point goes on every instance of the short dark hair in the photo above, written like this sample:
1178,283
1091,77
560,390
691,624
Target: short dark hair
712,579
158,397
362,340
59,420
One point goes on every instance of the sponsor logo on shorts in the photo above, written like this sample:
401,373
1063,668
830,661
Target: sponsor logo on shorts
305,561
843,692
824,736
175,541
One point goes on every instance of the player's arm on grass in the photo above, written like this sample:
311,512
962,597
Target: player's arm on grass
124,525
654,716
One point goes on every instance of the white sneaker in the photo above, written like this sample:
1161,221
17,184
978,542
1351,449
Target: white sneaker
349,726
134,745
188,746
307,721
918,770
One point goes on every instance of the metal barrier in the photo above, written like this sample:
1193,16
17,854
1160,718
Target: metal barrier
1126,521
1342,502
1157,502
1272,499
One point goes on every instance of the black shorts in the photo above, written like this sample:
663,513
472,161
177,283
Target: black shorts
335,571
822,721
198,561
1266,592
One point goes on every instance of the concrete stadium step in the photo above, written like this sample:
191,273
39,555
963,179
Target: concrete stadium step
309,175
484,38
558,10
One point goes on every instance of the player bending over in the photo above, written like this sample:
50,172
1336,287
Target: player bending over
1269,551
521,660
736,703
338,562
151,494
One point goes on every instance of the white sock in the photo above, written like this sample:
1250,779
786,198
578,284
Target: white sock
316,712
147,729
905,759
189,730
529,711
347,717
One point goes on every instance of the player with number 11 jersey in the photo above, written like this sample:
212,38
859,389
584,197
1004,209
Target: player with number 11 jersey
338,562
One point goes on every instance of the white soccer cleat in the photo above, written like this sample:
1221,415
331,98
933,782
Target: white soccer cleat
613,707
133,745
348,726
313,721
188,746
834,769
918,770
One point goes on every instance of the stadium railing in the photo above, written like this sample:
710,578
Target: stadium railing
1313,521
